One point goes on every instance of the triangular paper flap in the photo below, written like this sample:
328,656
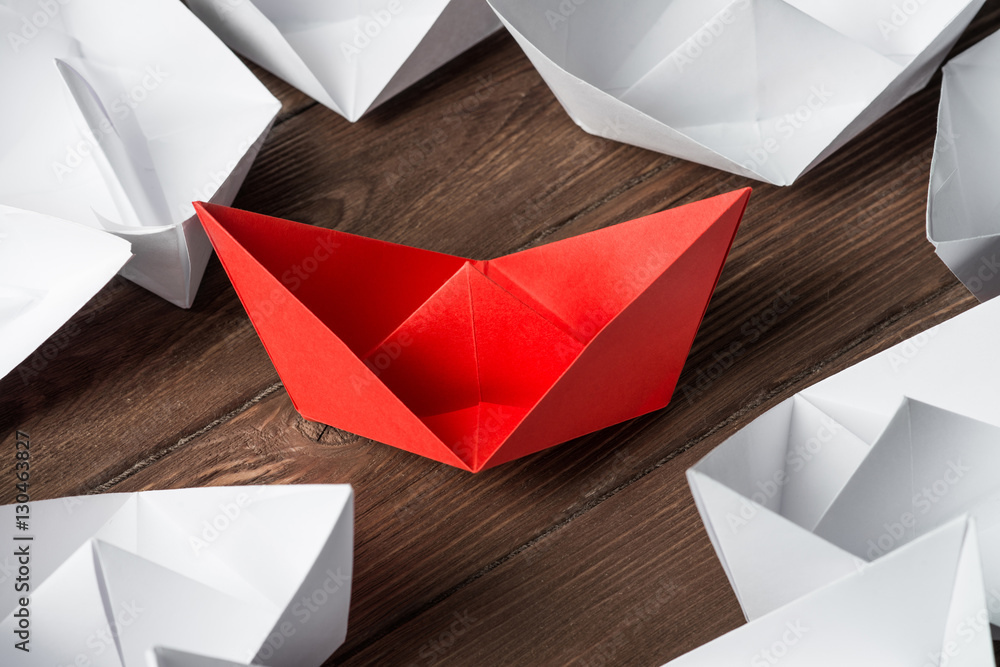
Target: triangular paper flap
160,264
462,24
602,114
822,456
430,362
893,612
873,514
361,288
793,460
520,352
171,610
325,592
353,65
124,160
752,461
165,657
78,520
976,262
205,534
962,203
968,624
67,617
745,118
325,379
929,466
49,269
952,366
880,24
587,280
989,544
472,343
763,552
914,78
638,356
248,31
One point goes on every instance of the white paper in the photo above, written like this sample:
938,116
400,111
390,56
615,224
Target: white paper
963,203
922,605
126,112
761,88
254,574
838,472
350,57
49,268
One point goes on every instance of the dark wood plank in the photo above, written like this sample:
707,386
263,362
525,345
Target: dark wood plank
588,551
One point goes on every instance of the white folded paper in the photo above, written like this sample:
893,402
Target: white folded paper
241,575
350,56
161,657
921,606
860,464
963,203
121,113
49,268
762,88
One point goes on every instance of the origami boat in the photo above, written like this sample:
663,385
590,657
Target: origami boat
963,202
922,605
762,88
861,464
475,363
209,576
125,112
49,269
351,57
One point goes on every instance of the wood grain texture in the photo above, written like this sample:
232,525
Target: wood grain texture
590,553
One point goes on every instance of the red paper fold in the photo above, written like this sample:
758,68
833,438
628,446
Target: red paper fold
475,363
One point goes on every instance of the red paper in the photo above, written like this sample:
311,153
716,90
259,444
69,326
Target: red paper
474,363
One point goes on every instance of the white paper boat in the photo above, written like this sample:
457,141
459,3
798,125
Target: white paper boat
49,268
257,574
921,606
349,56
838,472
119,114
762,88
963,204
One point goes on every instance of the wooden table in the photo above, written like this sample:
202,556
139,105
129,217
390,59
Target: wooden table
590,553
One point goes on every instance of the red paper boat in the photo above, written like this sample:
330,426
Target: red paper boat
475,363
